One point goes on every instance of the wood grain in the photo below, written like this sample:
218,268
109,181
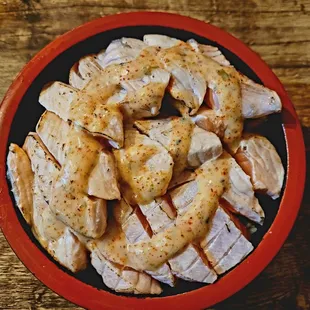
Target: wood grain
278,30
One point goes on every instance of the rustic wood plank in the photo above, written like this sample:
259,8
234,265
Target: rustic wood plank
278,30
257,28
189,5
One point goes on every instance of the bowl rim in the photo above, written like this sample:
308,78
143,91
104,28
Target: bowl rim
87,296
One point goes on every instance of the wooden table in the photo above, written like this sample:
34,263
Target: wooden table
278,30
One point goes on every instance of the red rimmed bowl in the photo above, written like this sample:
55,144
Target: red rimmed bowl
20,111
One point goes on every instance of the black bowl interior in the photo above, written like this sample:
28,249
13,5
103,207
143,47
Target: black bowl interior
29,112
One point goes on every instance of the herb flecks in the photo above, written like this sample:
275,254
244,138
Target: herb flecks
225,76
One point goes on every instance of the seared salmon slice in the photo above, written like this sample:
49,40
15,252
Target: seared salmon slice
21,178
103,179
225,245
239,194
69,200
123,279
222,234
144,165
135,230
189,264
84,70
260,160
88,108
189,145
120,51
138,97
53,235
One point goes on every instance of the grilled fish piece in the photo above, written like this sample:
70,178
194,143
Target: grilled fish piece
222,235
189,146
68,200
224,244
84,70
21,178
144,165
210,51
189,264
53,235
88,108
123,279
120,51
103,178
257,100
212,179
138,97
136,231
260,160
239,194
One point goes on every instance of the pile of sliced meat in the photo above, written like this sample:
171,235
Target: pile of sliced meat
173,182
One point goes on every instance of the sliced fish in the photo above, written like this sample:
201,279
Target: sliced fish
185,177
241,248
62,244
260,160
144,165
123,279
257,100
210,51
160,40
239,194
224,245
222,234
53,235
57,97
189,264
212,179
87,108
192,72
207,119
142,97
69,200
187,150
103,178
120,51
84,70
138,97
43,164
136,231
21,178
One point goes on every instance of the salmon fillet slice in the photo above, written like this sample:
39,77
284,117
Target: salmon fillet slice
260,160
136,231
123,279
189,264
60,242
221,237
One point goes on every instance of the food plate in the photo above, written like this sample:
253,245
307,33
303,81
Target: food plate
20,112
